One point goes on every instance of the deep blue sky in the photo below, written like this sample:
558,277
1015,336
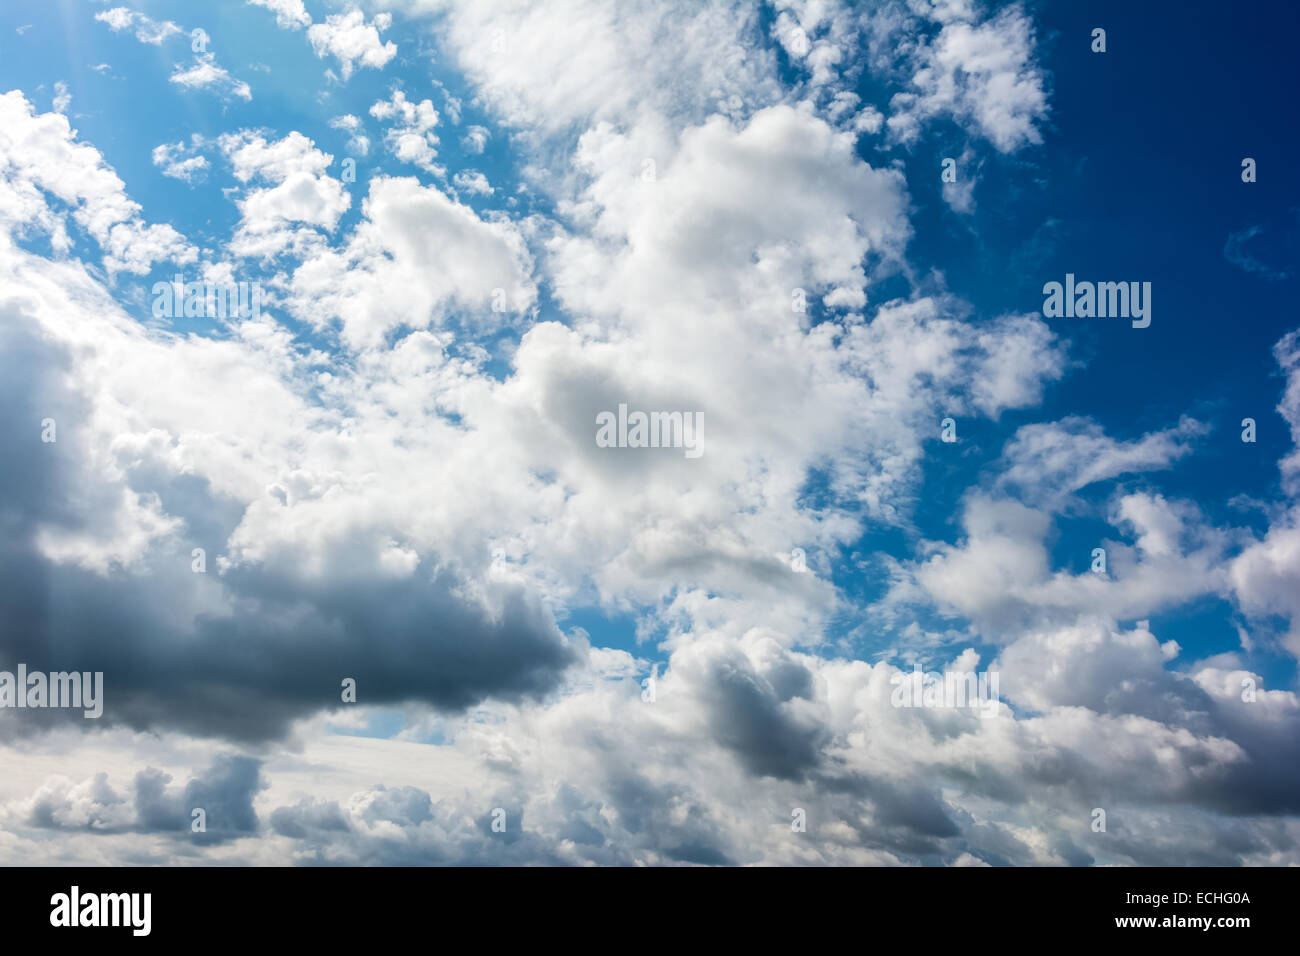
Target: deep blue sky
1139,177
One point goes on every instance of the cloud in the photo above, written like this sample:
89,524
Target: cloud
182,161
62,98
1266,575
92,804
300,199
146,30
392,474
358,142
1001,579
352,41
877,783
49,177
1287,355
1248,255
415,255
472,182
982,75
289,14
556,67
111,538
1048,462
204,73
475,140
410,135
224,791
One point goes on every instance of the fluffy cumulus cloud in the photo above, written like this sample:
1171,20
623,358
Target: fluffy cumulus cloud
417,258
384,481
473,182
979,72
410,135
353,42
50,177
222,795
289,14
572,62
297,198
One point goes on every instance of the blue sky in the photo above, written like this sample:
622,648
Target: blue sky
392,475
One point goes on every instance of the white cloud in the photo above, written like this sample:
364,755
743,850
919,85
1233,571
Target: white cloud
182,161
352,41
289,14
821,38
1045,463
981,74
1000,576
475,140
415,254
146,30
1266,575
410,135
252,156
740,732
205,73
301,196
571,62
62,98
358,142
1287,354
41,159
472,182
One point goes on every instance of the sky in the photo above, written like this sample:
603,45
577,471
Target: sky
367,584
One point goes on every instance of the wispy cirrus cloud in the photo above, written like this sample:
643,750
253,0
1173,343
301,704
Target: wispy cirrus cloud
147,30
204,73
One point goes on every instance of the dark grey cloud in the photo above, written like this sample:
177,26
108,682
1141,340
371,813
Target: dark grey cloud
412,830
286,639
224,791
748,713
104,808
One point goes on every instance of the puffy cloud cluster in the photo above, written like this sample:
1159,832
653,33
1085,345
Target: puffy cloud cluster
301,198
47,177
410,136
289,14
979,72
569,64
352,41
223,792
